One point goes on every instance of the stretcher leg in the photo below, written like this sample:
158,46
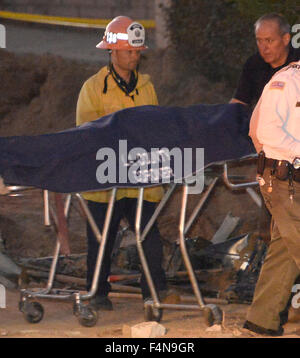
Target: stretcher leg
154,308
86,315
102,239
183,249
33,311
158,210
212,313
155,313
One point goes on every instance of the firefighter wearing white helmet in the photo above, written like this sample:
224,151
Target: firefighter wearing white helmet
117,86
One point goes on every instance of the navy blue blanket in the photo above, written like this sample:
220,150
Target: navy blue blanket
67,161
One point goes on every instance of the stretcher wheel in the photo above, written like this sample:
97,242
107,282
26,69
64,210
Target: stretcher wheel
152,313
212,315
33,311
87,316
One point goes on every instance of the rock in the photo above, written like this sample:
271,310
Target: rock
73,333
294,315
214,328
148,330
29,331
236,332
126,330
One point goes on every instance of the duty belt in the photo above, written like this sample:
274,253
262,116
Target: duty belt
281,169
271,163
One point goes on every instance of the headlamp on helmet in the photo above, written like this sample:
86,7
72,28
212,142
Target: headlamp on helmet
123,34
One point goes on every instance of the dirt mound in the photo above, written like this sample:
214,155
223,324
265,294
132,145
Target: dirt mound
39,94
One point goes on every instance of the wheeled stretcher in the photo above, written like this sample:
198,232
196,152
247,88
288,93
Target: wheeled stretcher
153,308
56,162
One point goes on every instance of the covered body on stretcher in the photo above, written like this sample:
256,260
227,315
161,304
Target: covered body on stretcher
69,161
73,160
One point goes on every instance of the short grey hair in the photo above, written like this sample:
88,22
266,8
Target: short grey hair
283,25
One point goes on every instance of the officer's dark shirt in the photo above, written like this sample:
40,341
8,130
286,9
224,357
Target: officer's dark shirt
256,74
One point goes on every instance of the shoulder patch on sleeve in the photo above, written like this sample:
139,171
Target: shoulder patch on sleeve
277,85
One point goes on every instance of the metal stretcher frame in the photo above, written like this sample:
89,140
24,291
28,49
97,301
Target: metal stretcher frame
33,311
153,308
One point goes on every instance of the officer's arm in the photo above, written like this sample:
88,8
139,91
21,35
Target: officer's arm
244,91
234,100
253,127
276,125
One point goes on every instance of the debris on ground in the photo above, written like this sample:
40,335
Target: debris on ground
242,289
229,224
214,328
147,330
227,270
226,267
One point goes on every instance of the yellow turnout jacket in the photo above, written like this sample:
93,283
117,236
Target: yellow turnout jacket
93,103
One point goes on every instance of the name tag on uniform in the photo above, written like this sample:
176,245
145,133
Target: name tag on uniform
277,85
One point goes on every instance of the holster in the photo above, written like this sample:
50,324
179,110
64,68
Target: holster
296,175
261,163
283,169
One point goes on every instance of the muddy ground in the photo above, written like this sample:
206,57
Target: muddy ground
38,95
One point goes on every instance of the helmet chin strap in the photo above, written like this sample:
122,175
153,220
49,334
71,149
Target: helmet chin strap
126,88
109,72
119,80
